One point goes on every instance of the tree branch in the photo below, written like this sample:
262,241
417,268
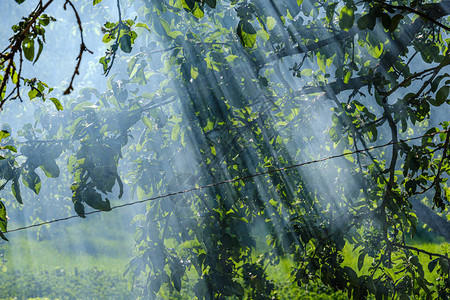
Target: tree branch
307,48
420,250
412,10
82,48
15,47
116,42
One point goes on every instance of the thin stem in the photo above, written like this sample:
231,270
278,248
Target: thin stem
420,251
83,48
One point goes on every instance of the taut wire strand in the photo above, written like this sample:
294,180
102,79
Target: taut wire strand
230,180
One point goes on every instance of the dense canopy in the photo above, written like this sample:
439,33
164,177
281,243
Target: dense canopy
257,132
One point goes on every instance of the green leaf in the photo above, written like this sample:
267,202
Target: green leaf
352,276
79,208
119,181
363,22
237,289
390,273
107,38
270,23
176,280
15,187
197,12
188,4
386,21
131,65
246,33
395,21
9,147
125,43
50,168
347,76
346,18
94,200
110,25
33,93
165,25
143,25
32,181
190,244
41,47
95,2
441,96
376,50
28,48
432,264
129,22
427,138
4,134
104,62
175,132
201,288
211,3
370,285
3,236
361,257
57,103
147,122
330,10
3,218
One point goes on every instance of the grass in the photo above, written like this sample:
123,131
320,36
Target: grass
86,260
83,260
289,290
351,257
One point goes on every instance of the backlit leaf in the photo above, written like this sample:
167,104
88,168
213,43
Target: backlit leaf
3,219
246,33
211,3
57,104
28,48
346,18
125,43
441,96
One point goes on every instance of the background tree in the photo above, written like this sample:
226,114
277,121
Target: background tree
230,110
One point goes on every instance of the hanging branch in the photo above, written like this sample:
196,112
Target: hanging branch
17,87
14,47
412,10
420,251
115,46
82,48
437,179
9,53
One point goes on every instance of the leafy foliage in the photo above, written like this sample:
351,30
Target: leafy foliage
220,104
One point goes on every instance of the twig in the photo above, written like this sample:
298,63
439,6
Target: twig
116,43
420,250
411,78
82,48
307,48
417,12
17,88
438,173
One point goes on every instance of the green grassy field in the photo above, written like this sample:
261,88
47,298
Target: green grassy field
86,260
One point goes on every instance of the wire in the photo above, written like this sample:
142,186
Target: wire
228,181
